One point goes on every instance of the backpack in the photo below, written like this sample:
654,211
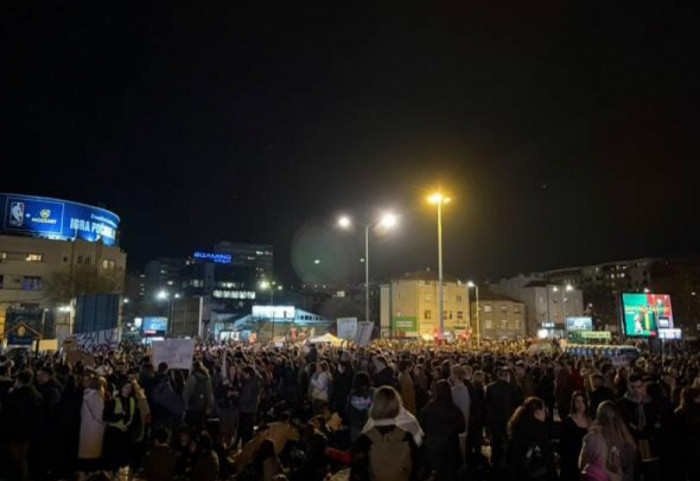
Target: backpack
389,455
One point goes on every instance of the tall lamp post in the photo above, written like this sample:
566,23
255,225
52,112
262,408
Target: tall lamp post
439,199
387,221
470,284
272,287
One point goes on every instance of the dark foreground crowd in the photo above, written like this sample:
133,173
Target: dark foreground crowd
385,413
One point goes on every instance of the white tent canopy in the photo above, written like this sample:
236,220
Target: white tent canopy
329,338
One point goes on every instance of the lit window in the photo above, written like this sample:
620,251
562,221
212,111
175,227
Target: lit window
34,257
488,324
31,283
105,264
504,309
504,323
488,308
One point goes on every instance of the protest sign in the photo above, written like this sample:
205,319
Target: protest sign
176,353
88,341
364,333
347,328
73,356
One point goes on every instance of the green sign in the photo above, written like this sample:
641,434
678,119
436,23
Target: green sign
405,324
595,335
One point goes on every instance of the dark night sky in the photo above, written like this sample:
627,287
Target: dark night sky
565,131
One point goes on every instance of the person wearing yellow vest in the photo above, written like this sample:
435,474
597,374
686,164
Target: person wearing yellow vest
123,426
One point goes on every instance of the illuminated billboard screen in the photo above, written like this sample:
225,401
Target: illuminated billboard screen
274,312
645,313
154,326
56,219
579,324
670,334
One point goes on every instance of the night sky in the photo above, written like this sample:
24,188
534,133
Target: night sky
565,132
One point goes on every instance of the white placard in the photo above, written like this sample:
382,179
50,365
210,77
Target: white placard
176,353
347,328
364,333
87,341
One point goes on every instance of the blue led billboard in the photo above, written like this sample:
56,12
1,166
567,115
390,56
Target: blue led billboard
57,219
154,326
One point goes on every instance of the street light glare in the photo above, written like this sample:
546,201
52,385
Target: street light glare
162,295
344,222
569,287
388,221
438,198
264,284
470,284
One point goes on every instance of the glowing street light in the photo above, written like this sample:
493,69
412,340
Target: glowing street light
162,295
438,198
344,222
266,285
569,288
387,221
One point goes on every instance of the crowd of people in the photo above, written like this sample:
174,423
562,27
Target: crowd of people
386,412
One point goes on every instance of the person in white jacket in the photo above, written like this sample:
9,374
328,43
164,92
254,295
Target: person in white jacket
92,426
320,387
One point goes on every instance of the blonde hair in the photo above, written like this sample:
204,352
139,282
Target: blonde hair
612,426
386,404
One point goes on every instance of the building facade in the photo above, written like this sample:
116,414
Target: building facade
409,306
51,251
547,305
499,317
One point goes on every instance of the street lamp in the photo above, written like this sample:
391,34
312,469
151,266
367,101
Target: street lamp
162,295
270,286
471,284
387,221
439,199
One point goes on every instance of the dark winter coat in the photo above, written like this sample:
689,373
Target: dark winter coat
250,395
21,414
385,377
442,423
